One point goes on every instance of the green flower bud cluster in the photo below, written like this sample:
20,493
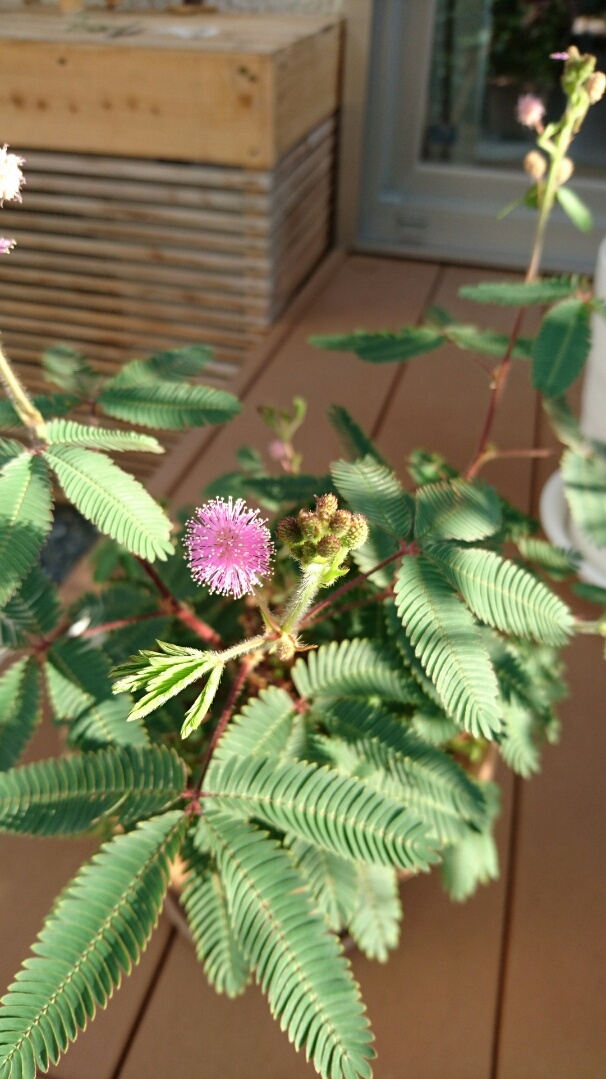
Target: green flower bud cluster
323,535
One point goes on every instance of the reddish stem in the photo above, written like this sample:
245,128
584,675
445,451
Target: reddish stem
497,391
248,663
378,598
106,627
179,609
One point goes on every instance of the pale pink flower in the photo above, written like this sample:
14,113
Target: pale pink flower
530,110
229,547
278,450
6,245
558,55
11,177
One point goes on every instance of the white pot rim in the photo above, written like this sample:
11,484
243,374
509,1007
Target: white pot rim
555,518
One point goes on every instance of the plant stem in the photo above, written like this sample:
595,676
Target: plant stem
119,623
410,548
303,597
179,609
377,598
237,686
23,405
498,386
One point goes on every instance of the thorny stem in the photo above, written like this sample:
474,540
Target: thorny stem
179,609
410,548
23,405
238,684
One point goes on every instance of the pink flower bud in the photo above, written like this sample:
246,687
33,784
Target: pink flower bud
530,110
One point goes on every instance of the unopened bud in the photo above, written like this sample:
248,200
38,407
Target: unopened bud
288,530
565,170
311,527
306,553
329,546
358,532
595,86
326,506
340,523
535,164
285,648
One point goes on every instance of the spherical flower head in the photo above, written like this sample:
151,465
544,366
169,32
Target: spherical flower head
535,165
565,170
596,87
11,177
6,245
278,450
326,506
229,547
530,110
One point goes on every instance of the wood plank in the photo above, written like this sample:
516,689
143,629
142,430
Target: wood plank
198,92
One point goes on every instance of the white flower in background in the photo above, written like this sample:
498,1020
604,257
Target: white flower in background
11,177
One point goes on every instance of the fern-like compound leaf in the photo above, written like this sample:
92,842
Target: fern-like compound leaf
115,502
518,742
170,365
456,509
448,644
357,668
584,475
168,405
339,814
487,342
105,724
48,405
383,347
66,796
165,674
209,920
374,490
25,518
504,595
96,933
375,922
514,294
77,677
67,368
473,859
20,709
355,442
198,711
33,610
564,422
332,880
561,347
70,433
556,561
262,729
297,962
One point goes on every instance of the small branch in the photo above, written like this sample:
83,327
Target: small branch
500,380
492,454
107,627
26,410
312,614
377,598
238,684
179,609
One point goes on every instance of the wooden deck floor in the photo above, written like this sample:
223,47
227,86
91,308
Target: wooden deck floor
511,984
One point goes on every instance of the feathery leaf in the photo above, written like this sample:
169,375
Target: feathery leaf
357,668
48,405
171,365
70,433
217,947
375,923
584,475
456,509
25,519
33,609
106,723
374,490
383,347
77,677
169,405
561,347
355,442
20,709
514,294
262,729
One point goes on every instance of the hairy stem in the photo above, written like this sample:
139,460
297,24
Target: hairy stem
304,596
20,399
312,614
179,609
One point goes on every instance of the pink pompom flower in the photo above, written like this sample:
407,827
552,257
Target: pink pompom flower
11,177
6,245
530,110
229,547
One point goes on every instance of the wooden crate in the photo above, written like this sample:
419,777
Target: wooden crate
163,229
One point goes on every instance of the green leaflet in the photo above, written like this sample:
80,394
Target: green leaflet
105,724
517,294
69,370
169,405
374,490
164,674
77,677
474,859
503,594
488,342
9,449
70,433
584,475
383,347
561,347
172,365
25,519
518,742
456,509
564,423
353,439
448,644
357,668
33,609
555,561
375,922
200,708
339,814
332,880
54,404
66,796
115,502
298,964
262,728
217,946
20,709
575,208
98,929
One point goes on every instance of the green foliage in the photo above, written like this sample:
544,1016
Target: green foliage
171,365
519,740
474,859
561,347
353,439
518,294
67,368
48,405
584,475
332,880
95,934
77,677
115,502
217,947
564,423
167,405
574,207
355,668
25,519
20,709
456,509
32,610
262,729
164,674
375,921
296,962
70,433
555,561
488,342
448,644
383,347
373,489
69,795
104,724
